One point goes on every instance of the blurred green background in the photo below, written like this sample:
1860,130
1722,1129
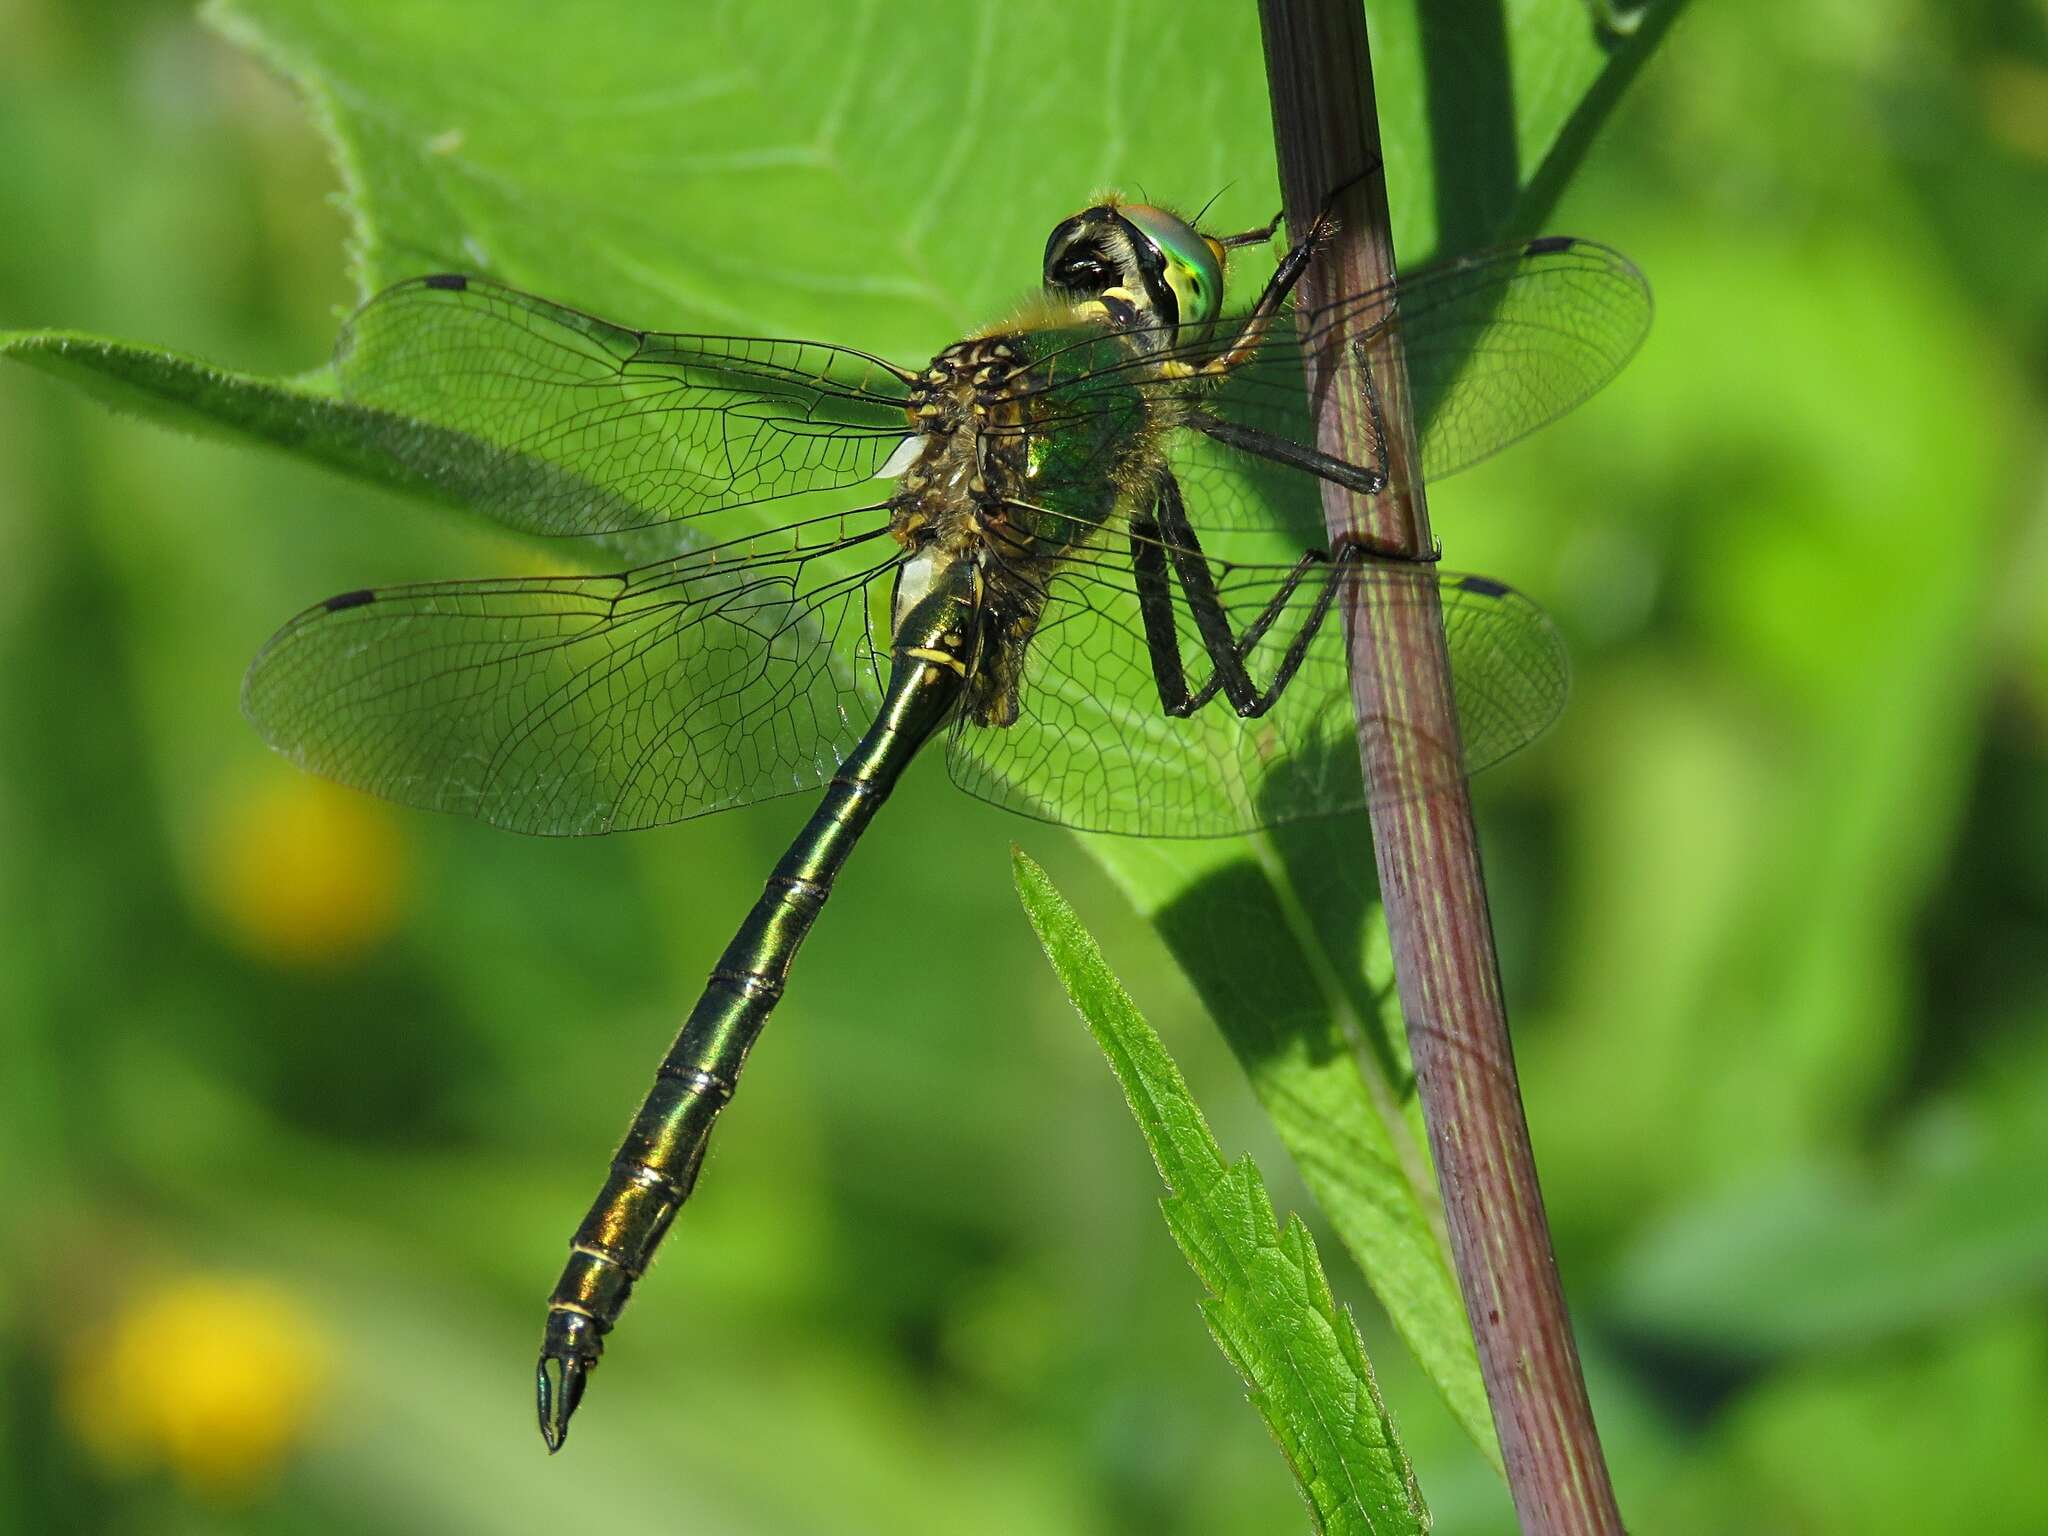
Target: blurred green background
302,1094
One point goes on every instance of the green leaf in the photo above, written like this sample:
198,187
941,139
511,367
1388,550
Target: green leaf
303,415
1269,1305
885,181
862,182
1285,945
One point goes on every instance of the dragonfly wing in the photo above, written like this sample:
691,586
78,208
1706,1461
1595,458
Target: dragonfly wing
1497,345
1094,749
555,422
1501,345
1510,670
1246,507
586,704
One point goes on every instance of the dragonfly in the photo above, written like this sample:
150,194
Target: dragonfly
1082,547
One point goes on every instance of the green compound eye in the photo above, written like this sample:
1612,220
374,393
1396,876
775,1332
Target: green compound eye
1191,266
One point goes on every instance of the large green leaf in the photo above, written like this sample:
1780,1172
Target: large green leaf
883,176
1268,1305
302,414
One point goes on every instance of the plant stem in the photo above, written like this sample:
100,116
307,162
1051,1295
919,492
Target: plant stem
1325,123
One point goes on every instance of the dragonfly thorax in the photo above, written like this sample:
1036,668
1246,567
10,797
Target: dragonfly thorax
991,486
967,422
956,510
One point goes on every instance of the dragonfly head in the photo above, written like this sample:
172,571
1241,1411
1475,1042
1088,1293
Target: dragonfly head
1156,262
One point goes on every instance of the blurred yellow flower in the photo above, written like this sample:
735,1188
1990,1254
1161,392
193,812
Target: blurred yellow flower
305,872
212,1377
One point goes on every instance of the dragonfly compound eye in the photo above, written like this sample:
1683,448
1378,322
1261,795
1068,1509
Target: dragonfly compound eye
1172,253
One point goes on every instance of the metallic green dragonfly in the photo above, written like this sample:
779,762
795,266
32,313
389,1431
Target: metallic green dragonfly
1084,546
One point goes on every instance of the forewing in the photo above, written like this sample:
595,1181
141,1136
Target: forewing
573,704
1497,345
1501,345
555,422
1095,750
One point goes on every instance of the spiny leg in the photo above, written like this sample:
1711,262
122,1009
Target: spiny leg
1297,650
1259,236
1152,539
1212,622
1366,480
1258,320
1155,606
1265,231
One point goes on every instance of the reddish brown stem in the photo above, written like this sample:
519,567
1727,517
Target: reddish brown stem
1326,127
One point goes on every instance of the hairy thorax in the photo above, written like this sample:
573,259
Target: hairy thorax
968,414
999,478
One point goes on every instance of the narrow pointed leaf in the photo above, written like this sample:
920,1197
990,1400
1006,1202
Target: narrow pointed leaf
1269,1305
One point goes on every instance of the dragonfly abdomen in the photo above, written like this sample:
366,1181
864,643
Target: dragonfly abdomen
656,1165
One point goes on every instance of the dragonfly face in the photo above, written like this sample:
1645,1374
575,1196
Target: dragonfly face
1152,270
1111,595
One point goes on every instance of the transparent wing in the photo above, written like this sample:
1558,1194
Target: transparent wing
1498,345
555,422
572,704
1094,749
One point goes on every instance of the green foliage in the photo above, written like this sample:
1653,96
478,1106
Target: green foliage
1771,896
866,186
1283,943
1268,1305
303,415
1830,1254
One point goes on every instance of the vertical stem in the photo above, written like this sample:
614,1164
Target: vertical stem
1326,128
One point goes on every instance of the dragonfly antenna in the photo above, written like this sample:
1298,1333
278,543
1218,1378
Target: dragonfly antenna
1197,219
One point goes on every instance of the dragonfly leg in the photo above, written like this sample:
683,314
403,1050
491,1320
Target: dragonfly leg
1257,236
1367,481
1155,606
1258,320
1166,533
1265,231
1376,418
